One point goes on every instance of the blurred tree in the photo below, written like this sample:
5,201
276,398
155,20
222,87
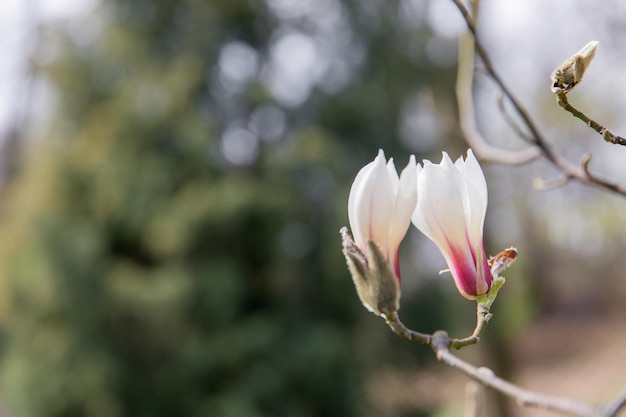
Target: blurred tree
171,247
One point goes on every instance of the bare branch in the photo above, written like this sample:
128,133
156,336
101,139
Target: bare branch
569,170
482,319
486,151
509,120
562,101
489,68
393,321
486,377
441,343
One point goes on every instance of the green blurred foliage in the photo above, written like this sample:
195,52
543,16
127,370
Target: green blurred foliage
145,274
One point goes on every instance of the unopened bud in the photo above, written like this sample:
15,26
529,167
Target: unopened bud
376,284
497,264
503,260
571,72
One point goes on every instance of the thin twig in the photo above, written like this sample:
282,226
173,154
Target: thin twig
570,171
393,321
561,99
482,319
465,75
490,69
440,344
509,120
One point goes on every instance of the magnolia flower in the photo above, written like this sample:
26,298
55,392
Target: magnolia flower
451,212
380,206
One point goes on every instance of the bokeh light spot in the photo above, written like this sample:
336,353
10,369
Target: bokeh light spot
239,146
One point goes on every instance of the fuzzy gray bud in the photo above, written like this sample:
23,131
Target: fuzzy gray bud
376,284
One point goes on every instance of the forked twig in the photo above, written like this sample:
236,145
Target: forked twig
569,170
509,120
441,343
486,377
463,88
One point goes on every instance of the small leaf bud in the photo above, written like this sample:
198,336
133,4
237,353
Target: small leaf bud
571,72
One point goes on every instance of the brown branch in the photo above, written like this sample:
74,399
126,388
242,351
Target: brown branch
570,170
482,319
561,99
509,120
463,88
440,344
393,321
490,69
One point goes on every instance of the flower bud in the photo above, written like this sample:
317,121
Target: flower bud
502,260
451,211
380,206
571,72
376,285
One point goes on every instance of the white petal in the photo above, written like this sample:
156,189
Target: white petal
360,192
393,174
406,200
451,206
476,198
439,213
370,204
355,197
475,176
445,160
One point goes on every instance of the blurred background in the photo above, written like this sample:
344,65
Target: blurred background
174,175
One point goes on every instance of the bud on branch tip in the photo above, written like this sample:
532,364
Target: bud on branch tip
570,73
